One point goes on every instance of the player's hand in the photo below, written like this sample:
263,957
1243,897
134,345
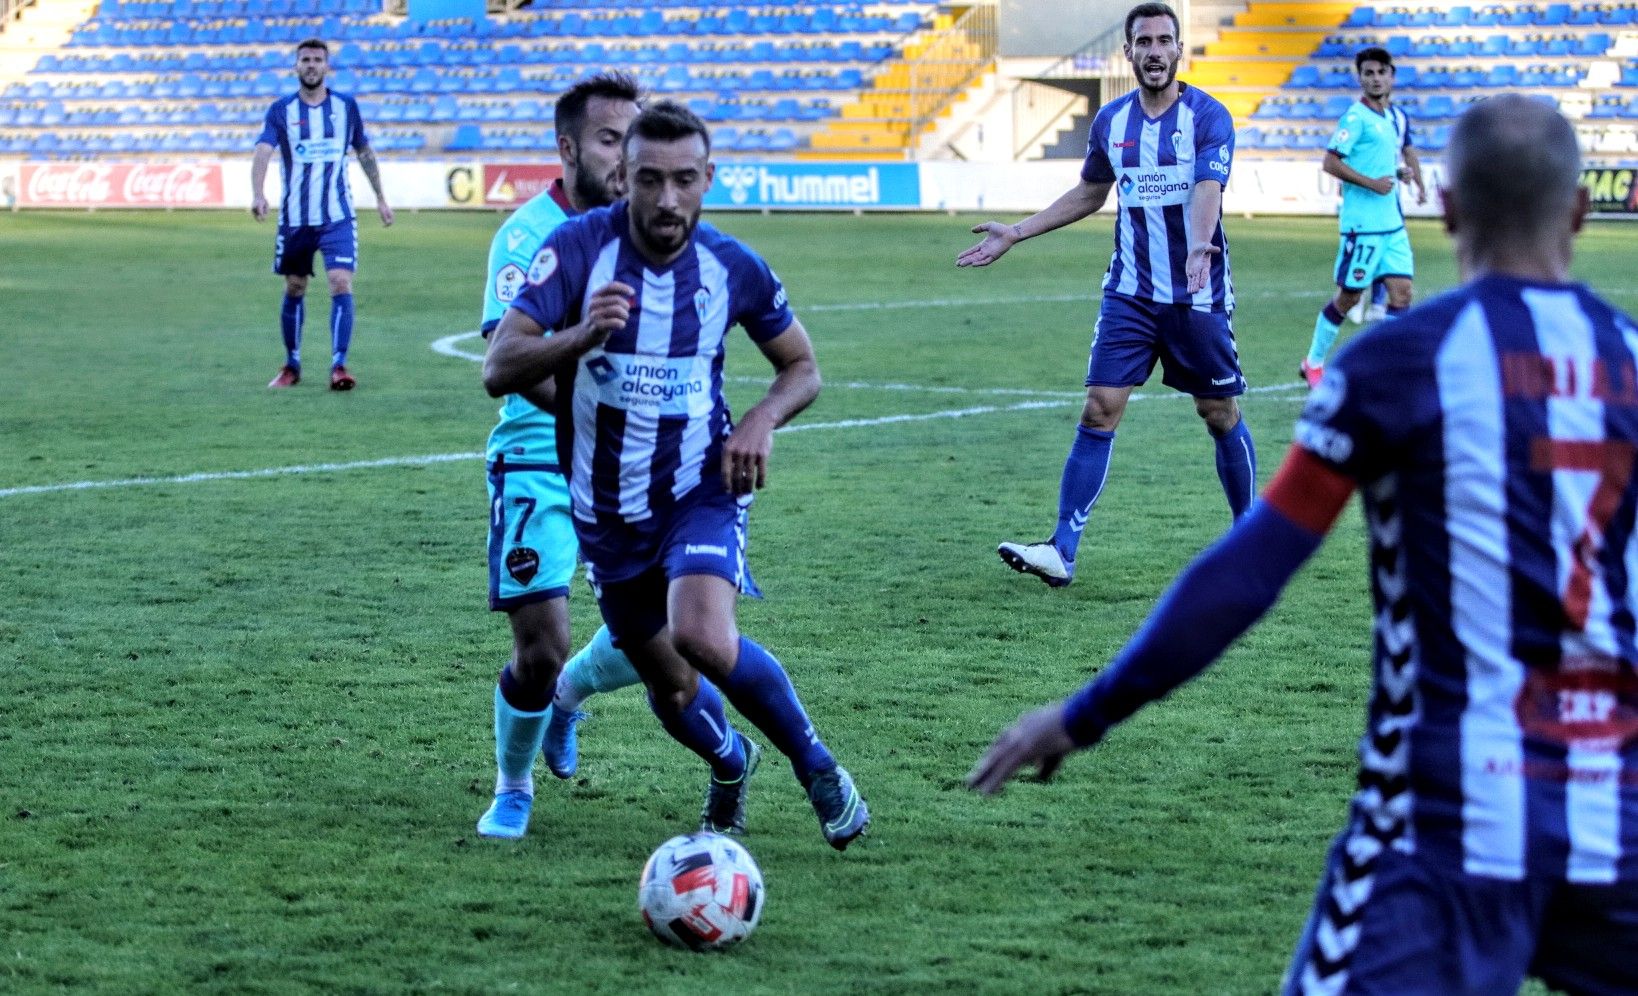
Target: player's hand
386,214
998,238
258,207
1037,738
745,455
1381,185
1198,267
607,311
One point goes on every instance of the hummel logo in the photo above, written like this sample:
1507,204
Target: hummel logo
1078,519
1223,381
697,548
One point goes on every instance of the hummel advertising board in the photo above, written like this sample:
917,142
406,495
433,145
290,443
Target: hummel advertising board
815,186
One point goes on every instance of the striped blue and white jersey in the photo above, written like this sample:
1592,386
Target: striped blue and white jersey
312,141
1154,166
525,433
1370,141
646,413
1493,432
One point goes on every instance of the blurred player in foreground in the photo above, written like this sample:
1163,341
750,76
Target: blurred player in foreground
312,129
532,548
1493,432
638,299
1168,295
1364,154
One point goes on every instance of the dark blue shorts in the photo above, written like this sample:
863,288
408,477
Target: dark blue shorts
632,564
1404,924
1196,347
293,248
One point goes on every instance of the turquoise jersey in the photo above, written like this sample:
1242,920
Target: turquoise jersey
1370,141
525,434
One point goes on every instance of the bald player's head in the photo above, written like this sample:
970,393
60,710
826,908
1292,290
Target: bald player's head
1513,170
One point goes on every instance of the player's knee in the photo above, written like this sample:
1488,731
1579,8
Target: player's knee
295,286
538,661
1220,417
706,644
341,283
1399,295
1101,416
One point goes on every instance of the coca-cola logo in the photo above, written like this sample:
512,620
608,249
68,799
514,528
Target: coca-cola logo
82,184
122,185
182,185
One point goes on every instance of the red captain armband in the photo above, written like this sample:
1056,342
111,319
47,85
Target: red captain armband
1308,491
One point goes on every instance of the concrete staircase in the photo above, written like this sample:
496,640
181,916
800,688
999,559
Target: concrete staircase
40,28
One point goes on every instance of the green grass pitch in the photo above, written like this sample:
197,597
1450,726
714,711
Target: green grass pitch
246,662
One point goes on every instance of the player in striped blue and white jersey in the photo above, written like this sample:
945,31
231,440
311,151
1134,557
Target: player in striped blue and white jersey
1493,433
638,299
1166,148
311,130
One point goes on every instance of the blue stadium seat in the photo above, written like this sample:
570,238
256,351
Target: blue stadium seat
1596,43
467,138
1504,75
1618,15
1456,17
1336,105
1439,105
1362,17
1553,14
1304,76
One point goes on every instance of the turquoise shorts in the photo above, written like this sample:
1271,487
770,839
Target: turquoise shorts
532,549
1364,259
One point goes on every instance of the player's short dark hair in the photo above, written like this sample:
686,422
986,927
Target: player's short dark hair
669,121
1514,166
1143,10
569,116
1372,54
317,43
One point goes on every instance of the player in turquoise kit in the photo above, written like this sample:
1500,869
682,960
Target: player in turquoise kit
532,547
1364,154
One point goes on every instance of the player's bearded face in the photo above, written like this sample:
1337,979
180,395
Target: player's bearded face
1154,51
666,184
596,161
311,65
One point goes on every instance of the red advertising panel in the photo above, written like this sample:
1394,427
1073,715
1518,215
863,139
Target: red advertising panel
510,184
87,185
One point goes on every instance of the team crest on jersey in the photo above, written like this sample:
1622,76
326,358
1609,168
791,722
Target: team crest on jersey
702,301
1183,154
1342,134
523,564
544,266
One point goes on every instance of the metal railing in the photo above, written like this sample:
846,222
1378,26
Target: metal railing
1104,59
948,62
11,10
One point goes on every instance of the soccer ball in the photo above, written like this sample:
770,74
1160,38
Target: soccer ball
701,891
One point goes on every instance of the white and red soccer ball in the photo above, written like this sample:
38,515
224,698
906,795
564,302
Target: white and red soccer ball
701,891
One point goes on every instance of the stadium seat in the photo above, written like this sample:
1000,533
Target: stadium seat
467,138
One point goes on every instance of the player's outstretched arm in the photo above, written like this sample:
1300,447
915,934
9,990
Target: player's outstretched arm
795,385
1208,607
521,354
258,180
1076,203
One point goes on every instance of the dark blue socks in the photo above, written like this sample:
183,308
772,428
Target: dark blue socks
759,688
703,728
1084,473
341,328
1237,467
290,316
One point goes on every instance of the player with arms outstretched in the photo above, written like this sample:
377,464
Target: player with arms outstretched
1365,154
312,129
638,299
1492,432
1168,296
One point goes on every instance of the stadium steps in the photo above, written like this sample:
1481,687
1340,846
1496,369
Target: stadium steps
878,122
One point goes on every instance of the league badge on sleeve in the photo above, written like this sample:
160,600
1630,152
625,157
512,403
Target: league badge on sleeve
508,282
544,266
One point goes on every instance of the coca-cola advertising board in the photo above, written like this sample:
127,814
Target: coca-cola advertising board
123,185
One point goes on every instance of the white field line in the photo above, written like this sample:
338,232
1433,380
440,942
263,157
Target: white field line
1291,393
